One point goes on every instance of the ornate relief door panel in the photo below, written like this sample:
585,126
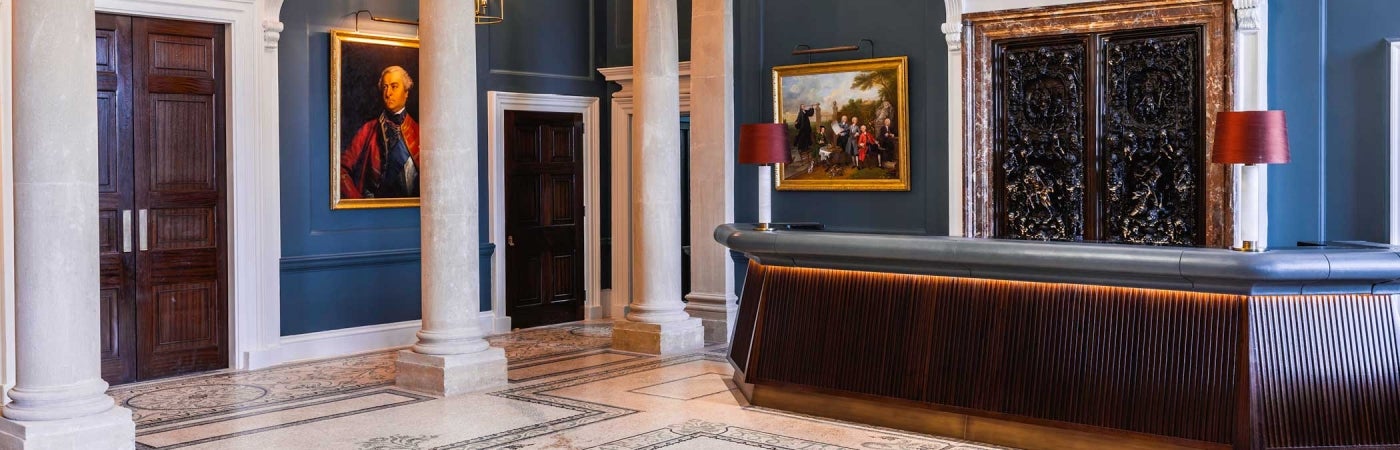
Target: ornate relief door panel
1091,121
1100,137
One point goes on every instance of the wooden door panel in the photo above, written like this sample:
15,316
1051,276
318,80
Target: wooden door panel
179,184
116,295
562,199
183,229
184,313
544,256
182,144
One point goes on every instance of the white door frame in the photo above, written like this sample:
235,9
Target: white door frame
497,104
253,169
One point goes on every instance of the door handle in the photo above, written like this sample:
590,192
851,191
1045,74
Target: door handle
510,241
126,231
142,234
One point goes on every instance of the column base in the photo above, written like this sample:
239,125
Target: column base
110,429
446,375
716,312
669,338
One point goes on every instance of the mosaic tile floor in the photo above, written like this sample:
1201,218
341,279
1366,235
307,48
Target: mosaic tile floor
567,390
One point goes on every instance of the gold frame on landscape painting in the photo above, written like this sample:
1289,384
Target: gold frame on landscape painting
901,66
337,38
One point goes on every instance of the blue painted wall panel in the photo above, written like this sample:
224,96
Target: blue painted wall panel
346,288
768,30
1328,71
1295,86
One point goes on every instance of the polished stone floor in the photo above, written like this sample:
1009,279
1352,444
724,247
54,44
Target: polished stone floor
567,390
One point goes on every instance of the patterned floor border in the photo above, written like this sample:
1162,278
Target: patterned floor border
412,399
588,412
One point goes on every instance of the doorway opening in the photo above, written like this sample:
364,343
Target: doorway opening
162,196
544,212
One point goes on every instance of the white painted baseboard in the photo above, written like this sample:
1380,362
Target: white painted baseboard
350,341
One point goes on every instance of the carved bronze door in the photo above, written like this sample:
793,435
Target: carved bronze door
544,218
162,189
1101,137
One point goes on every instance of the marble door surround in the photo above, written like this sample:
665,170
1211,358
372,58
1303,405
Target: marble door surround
1245,88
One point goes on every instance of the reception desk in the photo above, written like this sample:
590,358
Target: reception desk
1074,345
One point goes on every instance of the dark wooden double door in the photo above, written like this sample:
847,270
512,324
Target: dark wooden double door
161,189
544,218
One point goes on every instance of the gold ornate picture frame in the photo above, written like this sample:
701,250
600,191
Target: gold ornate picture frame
848,125
374,151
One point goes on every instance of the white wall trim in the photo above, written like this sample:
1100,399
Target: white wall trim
497,104
7,207
350,341
255,235
1394,111
1251,84
621,108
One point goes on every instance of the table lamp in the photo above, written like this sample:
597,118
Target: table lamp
763,144
1251,139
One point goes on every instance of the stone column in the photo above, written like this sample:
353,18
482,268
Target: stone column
712,297
59,399
450,357
656,320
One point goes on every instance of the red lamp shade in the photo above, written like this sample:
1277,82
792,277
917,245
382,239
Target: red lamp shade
763,143
1250,137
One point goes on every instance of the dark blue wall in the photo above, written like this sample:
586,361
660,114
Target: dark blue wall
619,36
767,32
352,268
1328,70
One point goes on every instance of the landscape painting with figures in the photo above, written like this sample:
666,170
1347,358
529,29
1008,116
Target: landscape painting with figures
847,125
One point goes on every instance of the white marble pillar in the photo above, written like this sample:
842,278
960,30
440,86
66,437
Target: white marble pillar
711,296
59,400
450,357
656,320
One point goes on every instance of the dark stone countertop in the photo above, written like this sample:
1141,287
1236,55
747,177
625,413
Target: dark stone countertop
1340,269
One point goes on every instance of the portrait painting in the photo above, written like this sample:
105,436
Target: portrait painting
374,121
848,125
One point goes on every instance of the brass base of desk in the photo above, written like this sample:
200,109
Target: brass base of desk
958,426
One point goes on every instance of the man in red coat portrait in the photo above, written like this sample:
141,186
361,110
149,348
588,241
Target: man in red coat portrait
382,159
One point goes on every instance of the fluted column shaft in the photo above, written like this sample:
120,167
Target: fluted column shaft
451,238
58,354
656,188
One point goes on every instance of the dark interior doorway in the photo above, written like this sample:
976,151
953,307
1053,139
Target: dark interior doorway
544,218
